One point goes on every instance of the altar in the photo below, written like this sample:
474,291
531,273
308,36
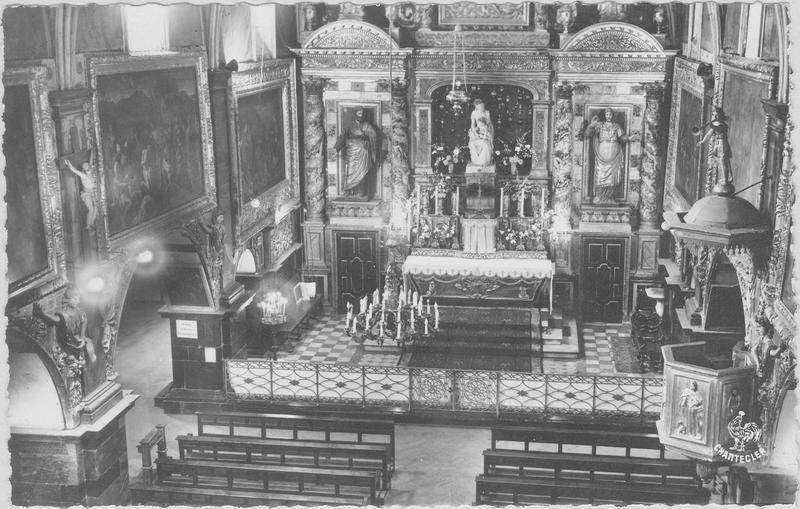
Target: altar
503,278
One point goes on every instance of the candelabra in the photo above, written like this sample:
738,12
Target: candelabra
273,309
410,323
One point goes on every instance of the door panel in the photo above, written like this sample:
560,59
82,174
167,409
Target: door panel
356,264
603,279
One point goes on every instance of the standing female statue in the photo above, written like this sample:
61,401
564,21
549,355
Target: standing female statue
608,140
481,135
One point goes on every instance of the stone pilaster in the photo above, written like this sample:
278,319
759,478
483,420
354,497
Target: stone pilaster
399,154
314,149
562,157
652,168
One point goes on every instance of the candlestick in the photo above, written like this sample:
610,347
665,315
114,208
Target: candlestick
347,322
426,326
522,202
415,298
419,307
428,309
437,200
381,329
436,314
542,206
502,199
457,199
399,327
419,200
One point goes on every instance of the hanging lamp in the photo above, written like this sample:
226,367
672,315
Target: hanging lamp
458,96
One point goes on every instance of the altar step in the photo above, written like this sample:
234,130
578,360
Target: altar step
559,334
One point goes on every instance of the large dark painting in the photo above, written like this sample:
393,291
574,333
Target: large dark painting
185,286
262,154
746,121
27,242
687,174
151,142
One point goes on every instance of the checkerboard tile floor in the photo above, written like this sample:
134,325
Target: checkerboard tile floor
325,341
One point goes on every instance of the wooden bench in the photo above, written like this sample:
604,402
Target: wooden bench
298,316
552,464
168,495
288,452
502,490
362,429
561,436
232,475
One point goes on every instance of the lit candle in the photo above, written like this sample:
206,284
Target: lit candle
375,296
542,204
502,199
428,310
426,326
457,199
399,309
419,307
412,320
419,200
399,327
522,202
414,298
437,201
383,314
436,314
381,329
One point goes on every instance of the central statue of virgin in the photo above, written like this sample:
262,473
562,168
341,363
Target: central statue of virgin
481,135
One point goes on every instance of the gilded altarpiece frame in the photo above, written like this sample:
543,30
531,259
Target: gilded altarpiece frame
258,212
137,68
32,92
746,82
684,157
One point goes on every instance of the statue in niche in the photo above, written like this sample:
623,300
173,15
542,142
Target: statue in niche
691,408
481,135
608,141
70,322
719,150
359,140
766,349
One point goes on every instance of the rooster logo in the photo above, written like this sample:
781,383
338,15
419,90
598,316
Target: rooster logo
744,435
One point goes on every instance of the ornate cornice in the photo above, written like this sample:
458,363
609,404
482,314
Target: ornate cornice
747,64
610,63
483,61
376,60
354,209
258,75
485,39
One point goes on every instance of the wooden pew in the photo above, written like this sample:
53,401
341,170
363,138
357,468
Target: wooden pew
503,490
169,495
288,452
584,466
553,434
232,476
362,429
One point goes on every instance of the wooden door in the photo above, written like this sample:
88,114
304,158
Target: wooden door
602,280
356,266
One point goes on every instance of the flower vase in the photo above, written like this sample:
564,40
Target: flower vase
514,169
540,244
438,209
520,247
451,167
530,244
435,243
507,205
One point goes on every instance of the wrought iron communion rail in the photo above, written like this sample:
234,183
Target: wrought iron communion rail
409,389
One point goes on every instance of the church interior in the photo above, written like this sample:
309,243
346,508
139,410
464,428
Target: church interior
399,254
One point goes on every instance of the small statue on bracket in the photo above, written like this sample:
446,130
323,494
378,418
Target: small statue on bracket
70,322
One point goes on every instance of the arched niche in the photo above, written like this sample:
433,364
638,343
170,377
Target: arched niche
350,34
246,263
613,36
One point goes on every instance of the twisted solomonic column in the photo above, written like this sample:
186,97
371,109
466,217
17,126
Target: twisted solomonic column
652,158
399,154
562,157
314,149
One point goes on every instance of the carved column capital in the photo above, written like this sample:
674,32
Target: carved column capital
654,90
313,85
564,90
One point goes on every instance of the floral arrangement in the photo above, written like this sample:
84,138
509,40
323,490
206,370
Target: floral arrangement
442,185
443,157
445,234
516,155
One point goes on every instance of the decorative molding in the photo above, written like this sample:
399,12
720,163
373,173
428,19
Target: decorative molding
350,34
593,214
281,238
479,61
609,63
613,36
337,208
375,61
477,287
485,39
468,13
258,75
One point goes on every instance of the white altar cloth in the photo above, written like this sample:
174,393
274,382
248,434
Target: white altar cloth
490,266
478,235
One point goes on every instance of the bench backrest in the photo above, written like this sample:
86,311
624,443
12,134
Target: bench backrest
588,463
598,438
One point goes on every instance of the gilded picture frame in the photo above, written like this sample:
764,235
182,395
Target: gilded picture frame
181,79
42,256
270,204
686,85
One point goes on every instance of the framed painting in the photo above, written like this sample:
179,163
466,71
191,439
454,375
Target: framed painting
684,158
606,157
359,150
33,194
745,83
265,165
155,151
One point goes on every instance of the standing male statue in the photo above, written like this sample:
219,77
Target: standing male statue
608,143
360,143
